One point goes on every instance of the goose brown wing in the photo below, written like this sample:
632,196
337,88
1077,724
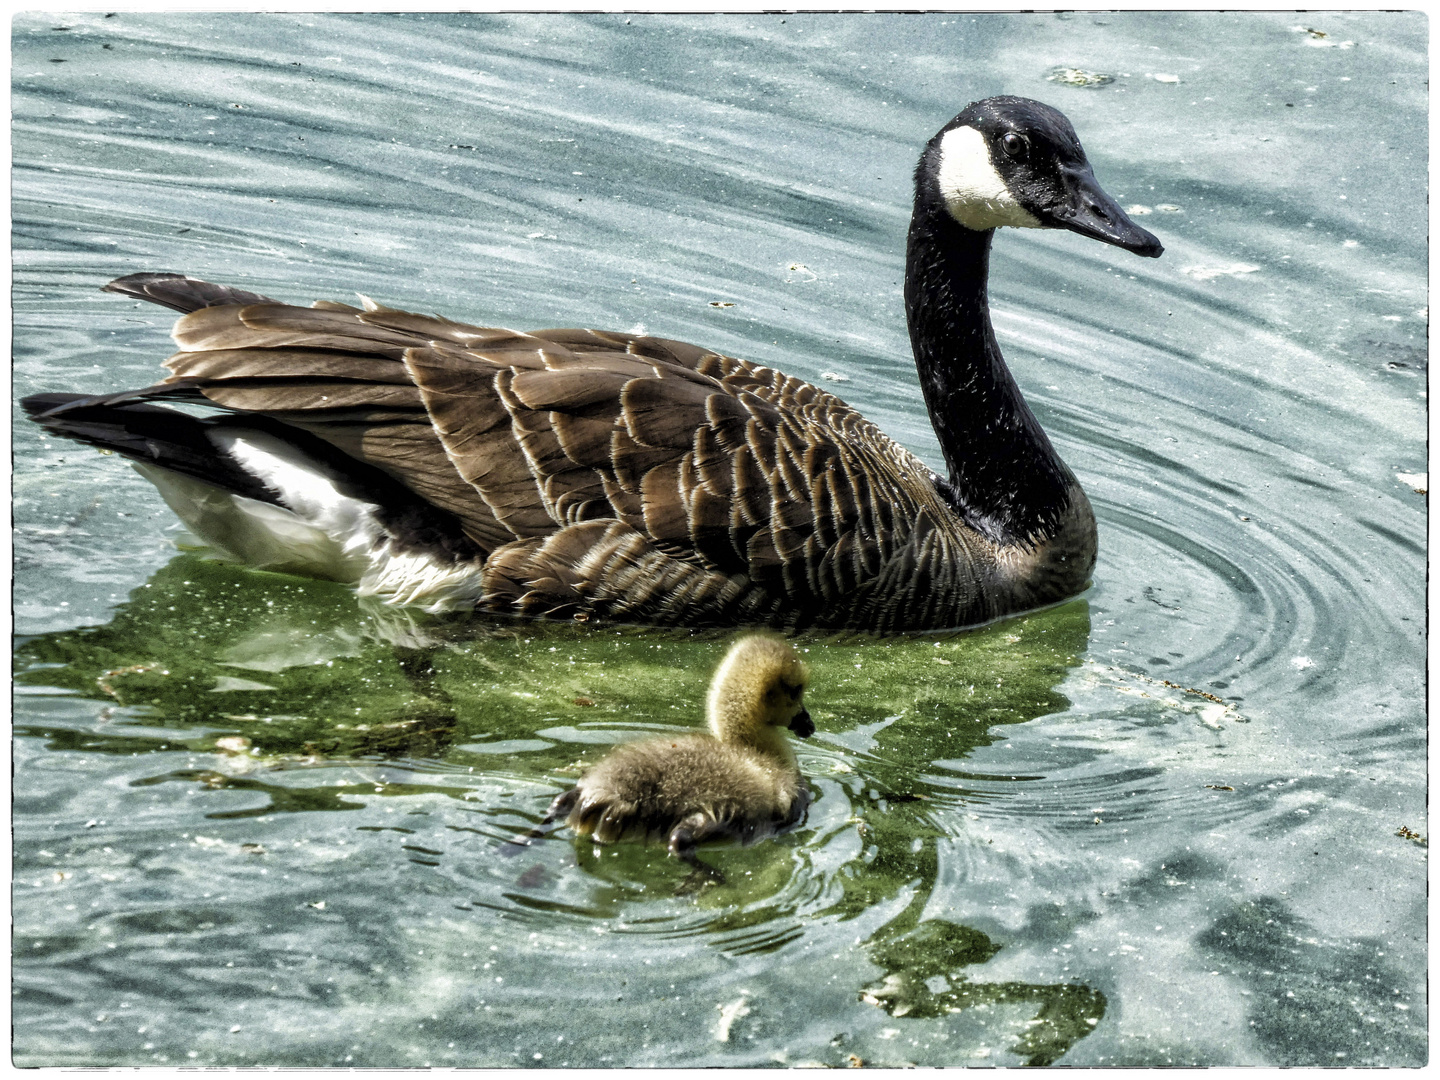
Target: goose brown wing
725,464
327,371
716,460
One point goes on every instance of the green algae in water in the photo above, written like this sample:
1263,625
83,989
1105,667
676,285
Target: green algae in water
265,680
216,651
208,652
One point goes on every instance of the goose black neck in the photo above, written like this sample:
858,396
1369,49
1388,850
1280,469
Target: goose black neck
1005,478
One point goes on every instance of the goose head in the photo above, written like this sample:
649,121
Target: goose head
759,691
1014,161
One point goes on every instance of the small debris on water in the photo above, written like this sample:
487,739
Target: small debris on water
134,669
1207,273
1192,690
1319,39
728,1015
1070,76
1211,715
1419,481
1116,678
1408,834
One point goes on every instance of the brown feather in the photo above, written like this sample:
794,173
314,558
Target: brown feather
586,441
294,395
299,363
665,517
619,474
663,412
567,389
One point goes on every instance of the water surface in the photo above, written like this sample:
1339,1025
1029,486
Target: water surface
257,822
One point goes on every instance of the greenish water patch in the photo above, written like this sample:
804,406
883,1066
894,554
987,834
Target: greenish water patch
547,698
337,706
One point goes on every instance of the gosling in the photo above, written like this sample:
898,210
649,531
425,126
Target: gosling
741,782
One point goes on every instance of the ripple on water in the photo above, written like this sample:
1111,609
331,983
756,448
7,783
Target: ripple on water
1244,679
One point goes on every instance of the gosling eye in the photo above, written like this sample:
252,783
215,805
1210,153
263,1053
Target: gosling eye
1014,145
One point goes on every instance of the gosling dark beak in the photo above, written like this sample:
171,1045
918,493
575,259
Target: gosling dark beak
1087,210
802,725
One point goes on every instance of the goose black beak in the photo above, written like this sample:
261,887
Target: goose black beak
802,725
1087,210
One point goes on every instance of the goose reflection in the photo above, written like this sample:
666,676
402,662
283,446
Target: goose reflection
380,710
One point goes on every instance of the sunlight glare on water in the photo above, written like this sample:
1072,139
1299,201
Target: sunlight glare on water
1179,820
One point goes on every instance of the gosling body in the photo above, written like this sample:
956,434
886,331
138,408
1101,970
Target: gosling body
739,782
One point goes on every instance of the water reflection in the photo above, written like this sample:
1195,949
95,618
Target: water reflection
287,696
925,978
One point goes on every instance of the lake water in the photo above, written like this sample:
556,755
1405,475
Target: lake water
257,822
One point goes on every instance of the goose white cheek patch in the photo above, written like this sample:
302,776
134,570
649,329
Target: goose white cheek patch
973,191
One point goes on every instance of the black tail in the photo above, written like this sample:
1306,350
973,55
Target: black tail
173,440
148,434
181,293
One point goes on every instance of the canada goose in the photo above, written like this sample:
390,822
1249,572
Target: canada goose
740,782
575,473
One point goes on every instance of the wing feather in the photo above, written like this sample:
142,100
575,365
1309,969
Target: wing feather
643,475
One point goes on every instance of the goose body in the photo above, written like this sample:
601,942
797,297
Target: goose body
738,782
580,473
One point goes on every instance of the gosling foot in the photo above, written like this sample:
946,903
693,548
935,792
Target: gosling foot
558,809
696,828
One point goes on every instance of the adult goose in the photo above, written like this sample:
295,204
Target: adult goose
581,473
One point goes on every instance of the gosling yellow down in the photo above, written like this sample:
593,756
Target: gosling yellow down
739,782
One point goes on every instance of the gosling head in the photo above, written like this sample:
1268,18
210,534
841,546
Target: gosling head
1014,161
758,690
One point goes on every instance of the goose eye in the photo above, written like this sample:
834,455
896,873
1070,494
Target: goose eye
1013,144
